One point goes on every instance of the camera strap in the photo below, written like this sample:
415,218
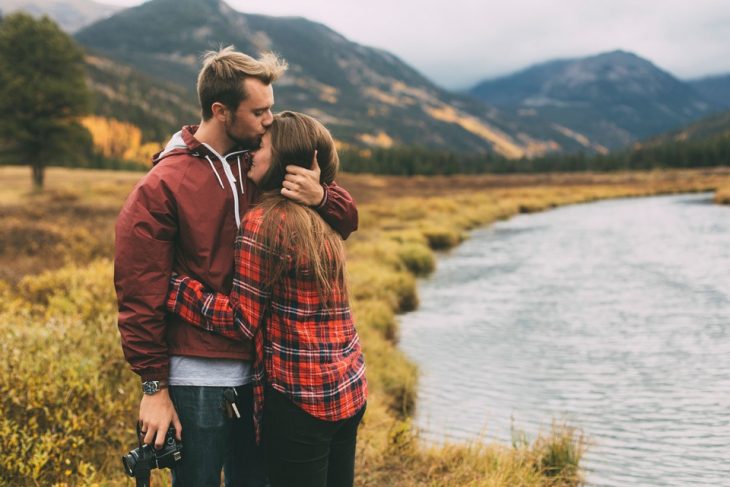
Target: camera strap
140,436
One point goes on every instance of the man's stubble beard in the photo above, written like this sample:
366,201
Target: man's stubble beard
249,144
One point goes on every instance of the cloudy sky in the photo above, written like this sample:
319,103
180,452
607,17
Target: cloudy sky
459,42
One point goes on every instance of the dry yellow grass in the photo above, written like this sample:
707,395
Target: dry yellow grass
68,401
722,195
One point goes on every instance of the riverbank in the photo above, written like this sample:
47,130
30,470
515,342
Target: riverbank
404,223
599,314
722,195
80,399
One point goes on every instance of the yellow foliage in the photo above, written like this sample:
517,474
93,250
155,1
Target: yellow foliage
64,387
381,139
503,144
119,140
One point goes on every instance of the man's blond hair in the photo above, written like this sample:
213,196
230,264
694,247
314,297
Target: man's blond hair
223,72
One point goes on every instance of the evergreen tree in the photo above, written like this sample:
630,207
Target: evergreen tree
42,94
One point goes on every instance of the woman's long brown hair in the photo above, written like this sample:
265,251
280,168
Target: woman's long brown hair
292,229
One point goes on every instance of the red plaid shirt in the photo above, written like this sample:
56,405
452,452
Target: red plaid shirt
304,349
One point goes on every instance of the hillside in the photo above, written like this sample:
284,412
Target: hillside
613,99
366,96
701,144
71,15
707,130
158,108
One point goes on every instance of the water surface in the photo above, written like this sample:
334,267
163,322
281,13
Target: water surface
613,316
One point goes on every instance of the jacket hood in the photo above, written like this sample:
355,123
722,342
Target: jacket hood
182,142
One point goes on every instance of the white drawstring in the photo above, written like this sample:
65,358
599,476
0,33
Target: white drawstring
240,174
220,181
229,176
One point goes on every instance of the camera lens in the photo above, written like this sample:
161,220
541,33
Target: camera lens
130,462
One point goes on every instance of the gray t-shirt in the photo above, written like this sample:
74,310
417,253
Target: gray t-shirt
211,372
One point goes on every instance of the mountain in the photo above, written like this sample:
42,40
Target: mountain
71,15
612,99
715,89
366,96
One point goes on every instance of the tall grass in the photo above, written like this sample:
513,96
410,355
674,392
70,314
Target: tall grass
722,195
68,401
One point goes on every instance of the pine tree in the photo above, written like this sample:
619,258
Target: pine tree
42,94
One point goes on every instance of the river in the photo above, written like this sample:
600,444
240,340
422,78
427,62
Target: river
612,316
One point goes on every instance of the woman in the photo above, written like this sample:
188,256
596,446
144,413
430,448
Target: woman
289,296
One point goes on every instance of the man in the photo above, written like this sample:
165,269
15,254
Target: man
183,216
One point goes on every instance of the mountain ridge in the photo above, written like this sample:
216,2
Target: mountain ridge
613,98
369,96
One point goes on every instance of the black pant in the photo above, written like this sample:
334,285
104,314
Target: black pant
303,451
212,440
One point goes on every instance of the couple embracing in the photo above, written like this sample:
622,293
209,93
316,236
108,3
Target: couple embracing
233,304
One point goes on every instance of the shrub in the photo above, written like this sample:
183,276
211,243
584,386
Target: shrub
417,258
376,315
64,385
442,238
371,280
559,453
84,293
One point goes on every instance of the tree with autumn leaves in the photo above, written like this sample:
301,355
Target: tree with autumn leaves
43,94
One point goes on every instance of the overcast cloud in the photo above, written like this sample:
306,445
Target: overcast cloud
459,42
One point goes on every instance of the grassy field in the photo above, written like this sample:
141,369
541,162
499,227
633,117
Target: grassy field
68,401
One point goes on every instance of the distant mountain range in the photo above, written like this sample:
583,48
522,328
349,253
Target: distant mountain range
612,99
143,62
71,15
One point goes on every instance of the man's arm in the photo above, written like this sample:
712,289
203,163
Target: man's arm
144,251
331,201
338,210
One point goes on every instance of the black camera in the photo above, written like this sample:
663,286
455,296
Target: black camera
139,462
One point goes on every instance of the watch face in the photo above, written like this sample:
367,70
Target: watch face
150,387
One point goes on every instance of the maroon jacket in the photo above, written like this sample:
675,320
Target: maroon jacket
181,216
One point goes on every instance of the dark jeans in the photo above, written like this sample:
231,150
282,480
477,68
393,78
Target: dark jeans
303,451
212,441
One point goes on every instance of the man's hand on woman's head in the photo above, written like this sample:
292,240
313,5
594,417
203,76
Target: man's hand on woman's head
302,185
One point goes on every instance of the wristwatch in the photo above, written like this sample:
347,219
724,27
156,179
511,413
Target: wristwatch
151,386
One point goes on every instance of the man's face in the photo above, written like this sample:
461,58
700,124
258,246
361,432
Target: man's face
248,124
261,160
